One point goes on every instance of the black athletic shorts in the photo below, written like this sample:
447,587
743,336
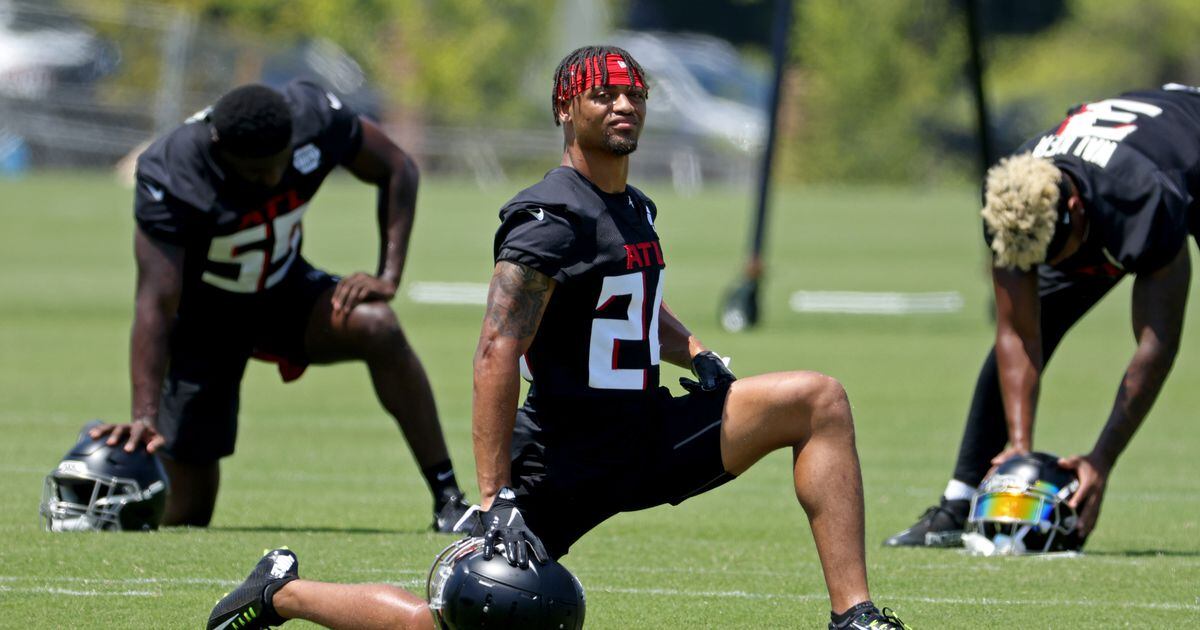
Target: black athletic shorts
569,480
210,345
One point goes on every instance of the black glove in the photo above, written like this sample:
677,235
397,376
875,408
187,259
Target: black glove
711,373
504,525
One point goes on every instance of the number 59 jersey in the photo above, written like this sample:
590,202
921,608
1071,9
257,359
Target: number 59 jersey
597,347
240,241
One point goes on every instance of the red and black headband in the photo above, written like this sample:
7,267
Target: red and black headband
597,70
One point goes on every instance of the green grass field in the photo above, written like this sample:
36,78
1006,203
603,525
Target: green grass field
322,469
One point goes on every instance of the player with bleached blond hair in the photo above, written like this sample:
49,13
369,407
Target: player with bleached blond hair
1107,192
1021,209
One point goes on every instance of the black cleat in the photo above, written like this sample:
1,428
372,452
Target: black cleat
247,606
449,514
940,526
872,619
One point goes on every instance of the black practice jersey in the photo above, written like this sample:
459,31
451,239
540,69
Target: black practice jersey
597,348
1136,161
240,243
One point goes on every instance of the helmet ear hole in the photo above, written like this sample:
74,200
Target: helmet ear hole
140,515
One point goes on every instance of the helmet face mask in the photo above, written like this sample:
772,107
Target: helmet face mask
466,591
98,487
1022,509
443,569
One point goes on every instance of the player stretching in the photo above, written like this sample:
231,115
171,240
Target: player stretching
576,302
220,278
1109,191
577,299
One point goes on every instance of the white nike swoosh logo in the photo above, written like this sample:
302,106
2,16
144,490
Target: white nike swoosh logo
155,193
539,214
446,475
334,102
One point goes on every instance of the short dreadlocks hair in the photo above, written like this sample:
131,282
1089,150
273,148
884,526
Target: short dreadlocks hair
587,67
1023,202
252,121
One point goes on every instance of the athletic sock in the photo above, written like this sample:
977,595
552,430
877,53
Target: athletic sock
269,614
442,483
958,491
854,611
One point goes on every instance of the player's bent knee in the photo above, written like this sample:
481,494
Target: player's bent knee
808,389
821,398
831,407
375,319
378,325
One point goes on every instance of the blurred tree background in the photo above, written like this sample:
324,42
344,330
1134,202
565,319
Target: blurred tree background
880,91
455,61
877,90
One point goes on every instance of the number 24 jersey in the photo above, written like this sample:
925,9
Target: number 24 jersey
597,347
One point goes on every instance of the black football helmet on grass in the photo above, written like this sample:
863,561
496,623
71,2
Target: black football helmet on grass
467,591
100,487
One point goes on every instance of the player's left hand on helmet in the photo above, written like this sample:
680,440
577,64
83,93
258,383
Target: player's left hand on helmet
504,530
134,434
357,288
1093,477
711,370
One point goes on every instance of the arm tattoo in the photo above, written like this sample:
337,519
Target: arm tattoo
515,300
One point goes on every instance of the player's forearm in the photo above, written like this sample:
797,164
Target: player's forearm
1018,350
148,354
1139,389
517,297
1019,365
397,210
677,344
493,414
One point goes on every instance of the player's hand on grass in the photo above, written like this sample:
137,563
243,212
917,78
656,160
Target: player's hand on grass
711,372
503,526
1093,478
134,434
360,287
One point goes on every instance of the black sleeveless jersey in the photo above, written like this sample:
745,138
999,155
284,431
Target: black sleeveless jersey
240,243
1136,161
596,350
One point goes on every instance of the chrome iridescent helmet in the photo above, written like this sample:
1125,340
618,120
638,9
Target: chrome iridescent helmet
1022,508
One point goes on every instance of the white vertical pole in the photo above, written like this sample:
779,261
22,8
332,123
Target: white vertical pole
176,44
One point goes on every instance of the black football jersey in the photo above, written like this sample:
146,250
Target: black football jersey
239,243
1136,161
597,347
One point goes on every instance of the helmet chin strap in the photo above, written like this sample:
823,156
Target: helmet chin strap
1000,545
